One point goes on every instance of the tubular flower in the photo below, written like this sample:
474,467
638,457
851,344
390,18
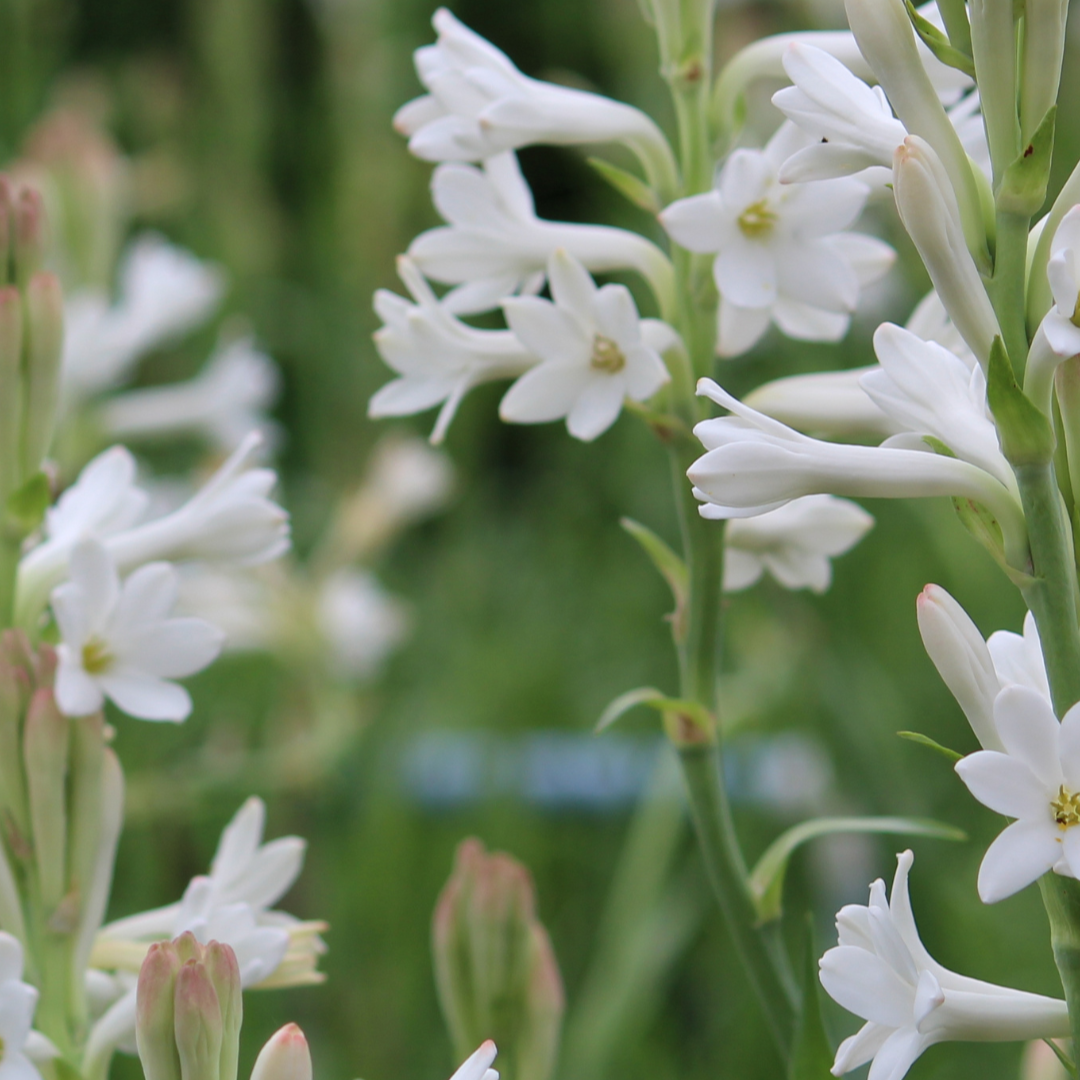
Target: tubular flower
881,971
438,358
594,351
494,245
478,104
781,253
1061,325
794,543
1036,780
477,1066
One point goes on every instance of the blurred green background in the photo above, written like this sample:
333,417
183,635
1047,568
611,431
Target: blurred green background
260,132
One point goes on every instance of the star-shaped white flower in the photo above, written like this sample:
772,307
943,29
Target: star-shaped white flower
782,254
794,543
1036,780
881,971
594,349
117,640
1062,322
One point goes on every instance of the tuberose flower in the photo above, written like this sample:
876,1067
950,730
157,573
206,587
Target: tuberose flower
881,971
477,1066
782,254
594,350
794,543
1036,780
1061,324
118,641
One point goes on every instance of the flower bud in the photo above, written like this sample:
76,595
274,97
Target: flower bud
44,345
154,1012
28,248
11,397
927,207
45,756
1044,47
284,1057
197,1022
224,972
495,970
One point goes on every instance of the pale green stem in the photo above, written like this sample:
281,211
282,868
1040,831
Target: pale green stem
1061,897
1007,286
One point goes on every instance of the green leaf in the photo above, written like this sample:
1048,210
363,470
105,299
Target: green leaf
767,878
1023,187
643,695
28,504
671,567
628,185
811,1051
1066,1062
954,15
985,528
925,740
939,44
1025,433
686,723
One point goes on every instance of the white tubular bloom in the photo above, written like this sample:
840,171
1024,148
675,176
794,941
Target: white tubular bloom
118,641
223,403
781,253
929,211
1062,322
1036,780
754,463
284,1057
478,104
494,245
18,1000
881,971
794,543
360,622
594,352
477,1066
164,291
438,358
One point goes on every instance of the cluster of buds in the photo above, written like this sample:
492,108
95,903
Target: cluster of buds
495,970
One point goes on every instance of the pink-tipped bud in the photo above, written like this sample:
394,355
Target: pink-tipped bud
197,1022
284,1057
46,737
29,234
224,972
155,1036
44,347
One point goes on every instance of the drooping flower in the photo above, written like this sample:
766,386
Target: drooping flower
881,971
494,245
1036,780
794,543
595,352
478,104
1061,325
163,292
118,640
437,357
782,254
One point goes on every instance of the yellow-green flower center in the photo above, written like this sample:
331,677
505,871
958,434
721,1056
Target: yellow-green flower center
606,355
1066,808
96,660
757,220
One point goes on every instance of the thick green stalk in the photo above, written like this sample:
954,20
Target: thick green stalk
1006,289
1061,896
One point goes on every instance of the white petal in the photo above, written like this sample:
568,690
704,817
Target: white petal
94,573
744,180
146,696
806,323
739,329
77,694
11,958
816,275
616,315
175,648
1023,852
1004,784
698,223
859,1048
572,287
865,985
545,393
1029,729
547,330
741,569
746,273
148,595
240,839
897,1054
597,407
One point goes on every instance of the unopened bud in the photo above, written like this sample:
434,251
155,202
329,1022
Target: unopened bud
1044,47
29,234
284,1057
197,1020
11,385
927,207
45,755
224,972
154,1013
495,970
44,346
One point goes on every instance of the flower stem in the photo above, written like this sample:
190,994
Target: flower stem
1007,286
1061,897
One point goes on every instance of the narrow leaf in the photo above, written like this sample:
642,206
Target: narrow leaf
939,44
643,695
1025,433
811,1051
628,185
1023,187
984,527
28,504
671,567
925,740
767,878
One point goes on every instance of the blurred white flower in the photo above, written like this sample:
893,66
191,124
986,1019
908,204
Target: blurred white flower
408,480
781,253
1062,322
118,641
594,349
163,292
1036,780
881,971
438,358
360,622
477,1066
18,1000
226,401
479,104
494,245
794,543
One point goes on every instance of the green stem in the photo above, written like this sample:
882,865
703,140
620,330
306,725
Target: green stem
1061,897
1007,286
10,553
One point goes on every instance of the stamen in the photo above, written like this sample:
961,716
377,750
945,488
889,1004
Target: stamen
1066,808
606,355
96,658
757,220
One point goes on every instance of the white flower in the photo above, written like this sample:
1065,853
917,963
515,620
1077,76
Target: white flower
477,1066
495,246
18,1000
226,401
360,622
595,352
438,358
793,543
479,104
1035,780
755,463
1062,322
117,640
881,971
164,291
782,254
852,123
